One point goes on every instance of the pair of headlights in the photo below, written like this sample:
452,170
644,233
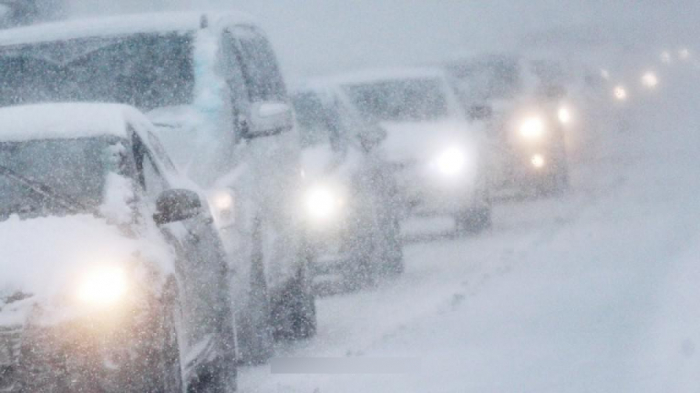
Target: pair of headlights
649,80
325,202
534,127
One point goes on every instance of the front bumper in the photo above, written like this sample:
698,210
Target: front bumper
330,247
81,355
431,195
524,168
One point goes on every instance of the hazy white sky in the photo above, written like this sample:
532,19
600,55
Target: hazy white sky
322,36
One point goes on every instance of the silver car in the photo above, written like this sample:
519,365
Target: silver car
113,277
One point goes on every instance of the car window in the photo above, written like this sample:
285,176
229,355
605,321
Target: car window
160,151
235,82
318,123
144,70
150,177
232,64
260,67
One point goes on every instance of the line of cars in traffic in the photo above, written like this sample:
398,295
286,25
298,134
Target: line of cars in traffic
154,252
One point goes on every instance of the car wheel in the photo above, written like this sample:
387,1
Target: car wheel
474,220
294,311
170,355
255,338
392,261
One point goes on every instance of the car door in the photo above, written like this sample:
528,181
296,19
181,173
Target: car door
200,266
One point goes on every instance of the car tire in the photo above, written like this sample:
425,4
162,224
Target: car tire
253,324
294,308
475,220
172,380
392,261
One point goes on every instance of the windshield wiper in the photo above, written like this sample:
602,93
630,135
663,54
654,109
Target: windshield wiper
44,190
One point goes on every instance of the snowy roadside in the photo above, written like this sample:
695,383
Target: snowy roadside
588,292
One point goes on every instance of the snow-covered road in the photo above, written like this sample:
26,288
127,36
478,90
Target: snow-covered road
594,291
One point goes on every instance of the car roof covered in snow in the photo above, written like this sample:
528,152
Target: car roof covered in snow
375,76
121,25
66,121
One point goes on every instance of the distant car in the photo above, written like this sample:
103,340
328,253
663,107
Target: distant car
24,12
350,200
441,159
527,103
211,83
113,276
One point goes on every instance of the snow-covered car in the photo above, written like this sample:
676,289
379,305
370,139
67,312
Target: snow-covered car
441,159
113,276
529,117
24,12
351,197
211,83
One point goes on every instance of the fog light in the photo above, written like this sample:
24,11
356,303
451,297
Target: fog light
538,161
650,80
620,93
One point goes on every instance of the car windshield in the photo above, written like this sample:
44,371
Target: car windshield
318,125
145,70
400,100
53,177
488,79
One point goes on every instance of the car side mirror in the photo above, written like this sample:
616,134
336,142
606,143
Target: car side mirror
177,205
269,118
480,112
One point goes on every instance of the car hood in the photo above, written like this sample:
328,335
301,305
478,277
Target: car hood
42,258
319,162
409,142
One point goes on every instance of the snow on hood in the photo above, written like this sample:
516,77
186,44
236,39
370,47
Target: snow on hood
316,161
65,120
408,142
44,257
321,163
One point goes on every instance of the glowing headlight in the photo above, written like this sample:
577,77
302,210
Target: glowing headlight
222,204
532,128
102,286
650,80
620,93
564,115
451,161
538,161
222,200
666,57
322,202
684,54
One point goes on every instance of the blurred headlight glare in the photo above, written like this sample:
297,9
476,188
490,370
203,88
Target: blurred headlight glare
649,80
451,161
102,286
620,93
322,203
564,115
538,161
223,200
666,57
532,128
